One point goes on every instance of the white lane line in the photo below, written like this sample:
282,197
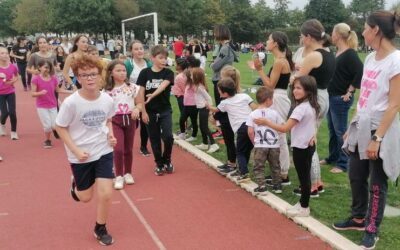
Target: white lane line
3,214
4,184
145,199
232,190
153,234
115,202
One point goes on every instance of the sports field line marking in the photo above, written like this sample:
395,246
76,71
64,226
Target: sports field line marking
4,184
145,199
3,214
141,218
115,202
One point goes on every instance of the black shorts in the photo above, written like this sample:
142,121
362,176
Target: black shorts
85,174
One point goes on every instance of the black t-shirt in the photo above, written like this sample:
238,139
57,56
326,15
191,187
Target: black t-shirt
20,51
151,80
324,73
349,71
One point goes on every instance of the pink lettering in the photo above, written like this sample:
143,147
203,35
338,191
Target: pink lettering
372,74
362,102
365,93
371,227
369,84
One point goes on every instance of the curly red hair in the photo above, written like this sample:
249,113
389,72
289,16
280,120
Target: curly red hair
85,62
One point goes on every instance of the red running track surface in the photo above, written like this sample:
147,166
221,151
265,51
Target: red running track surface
194,208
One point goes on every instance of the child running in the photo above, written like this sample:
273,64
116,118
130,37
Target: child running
266,142
238,107
155,87
178,89
302,123
8,77
84,124
202,98
123,122
44,87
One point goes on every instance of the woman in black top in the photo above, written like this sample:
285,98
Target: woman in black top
21,53
319,63
346,80
278,79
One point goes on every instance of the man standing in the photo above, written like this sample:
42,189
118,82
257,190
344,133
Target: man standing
178,47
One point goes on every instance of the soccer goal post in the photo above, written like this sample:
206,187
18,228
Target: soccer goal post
155,25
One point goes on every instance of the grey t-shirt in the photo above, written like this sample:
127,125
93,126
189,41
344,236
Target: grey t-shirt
35,58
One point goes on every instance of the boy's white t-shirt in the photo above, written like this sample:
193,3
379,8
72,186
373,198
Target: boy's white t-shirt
265,137
86,124
304,130
238,109
375,83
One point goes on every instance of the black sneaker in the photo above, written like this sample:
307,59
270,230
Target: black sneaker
369,241
227,170
243,177
236,173
224,166
169,168
313,194
277,189
47,144
286,181
321,189
56,134
349,224
260,189
159,170
268,178
101,234
144,151
72,190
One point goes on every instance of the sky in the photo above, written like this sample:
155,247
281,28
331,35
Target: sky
301,3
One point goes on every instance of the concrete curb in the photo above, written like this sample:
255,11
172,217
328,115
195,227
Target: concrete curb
318,229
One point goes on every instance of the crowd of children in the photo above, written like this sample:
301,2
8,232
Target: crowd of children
109,100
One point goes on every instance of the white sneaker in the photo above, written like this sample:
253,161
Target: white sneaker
213,148
298,210
3,130
14,136
119,182
1,158
190,139
202,146
182,136
129,179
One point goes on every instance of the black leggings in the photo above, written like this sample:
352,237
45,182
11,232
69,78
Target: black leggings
22,72
302,158
7,107
144,136
189,111
205,132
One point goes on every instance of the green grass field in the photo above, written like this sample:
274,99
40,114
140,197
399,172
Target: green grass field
334,203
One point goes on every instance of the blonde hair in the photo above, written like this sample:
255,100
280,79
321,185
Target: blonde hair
348,35
232,72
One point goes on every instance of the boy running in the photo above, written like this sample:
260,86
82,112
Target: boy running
84,125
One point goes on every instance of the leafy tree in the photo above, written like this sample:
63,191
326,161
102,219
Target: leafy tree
362,8
213,14
281,14
125,9
7,16
264,16
328,12
296,18
31,16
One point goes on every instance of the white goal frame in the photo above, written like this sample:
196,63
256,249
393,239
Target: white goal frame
155,25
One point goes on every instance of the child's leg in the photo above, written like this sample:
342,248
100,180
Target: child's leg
119,147
144,136
243,147
154,132
273,161
205,132
193,118
45,117
84,178
260,156
12,111
284,157
229,137
167,137
4,109
183,118
129,137
302,163
104,176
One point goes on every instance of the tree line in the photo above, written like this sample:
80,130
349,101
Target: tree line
248,22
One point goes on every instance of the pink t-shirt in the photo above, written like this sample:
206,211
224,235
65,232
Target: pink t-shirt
7,74
48,100
189,98
178,89
305,129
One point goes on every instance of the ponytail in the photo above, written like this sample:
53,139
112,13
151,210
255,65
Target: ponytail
349,36
289,58
352,40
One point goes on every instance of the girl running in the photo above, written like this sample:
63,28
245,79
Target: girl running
8,78
302,124
44,87
126,110
79,48
203,99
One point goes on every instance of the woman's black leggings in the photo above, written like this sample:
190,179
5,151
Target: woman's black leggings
7,107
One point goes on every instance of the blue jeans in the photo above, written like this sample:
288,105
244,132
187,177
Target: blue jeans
337,123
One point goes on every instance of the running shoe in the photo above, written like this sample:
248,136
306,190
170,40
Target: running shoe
349,224
14,136
298,211
202,146
213,148
369,241
144,151
128,178
159,170
169,168
119,183
47,144
101,234
3,131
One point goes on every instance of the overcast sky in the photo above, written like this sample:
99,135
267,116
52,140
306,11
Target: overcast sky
301,3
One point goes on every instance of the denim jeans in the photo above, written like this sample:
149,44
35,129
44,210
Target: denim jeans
160,127
337,123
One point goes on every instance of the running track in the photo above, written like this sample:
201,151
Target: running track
195,208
